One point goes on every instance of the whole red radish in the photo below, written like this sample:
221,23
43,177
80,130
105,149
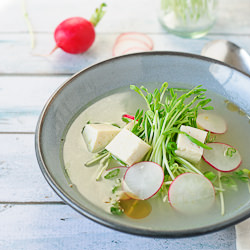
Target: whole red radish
75,35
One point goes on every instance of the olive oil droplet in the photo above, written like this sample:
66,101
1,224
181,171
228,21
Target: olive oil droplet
136,209
242,113
232,107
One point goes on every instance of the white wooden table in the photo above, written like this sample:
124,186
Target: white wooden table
32,216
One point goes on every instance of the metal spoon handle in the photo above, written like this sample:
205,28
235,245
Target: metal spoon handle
228,53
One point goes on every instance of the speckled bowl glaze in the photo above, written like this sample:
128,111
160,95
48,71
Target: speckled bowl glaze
106,76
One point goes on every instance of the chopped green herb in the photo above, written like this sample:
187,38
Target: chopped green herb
210,137
242,175
104,151
230,151
115,125
208,108
229,182
126,120
116,210
112,174
244,178
238,173
115,188
210,175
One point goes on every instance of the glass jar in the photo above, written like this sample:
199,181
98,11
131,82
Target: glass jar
188,18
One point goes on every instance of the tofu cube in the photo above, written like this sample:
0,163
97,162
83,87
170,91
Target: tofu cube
128,147
187,149
98,136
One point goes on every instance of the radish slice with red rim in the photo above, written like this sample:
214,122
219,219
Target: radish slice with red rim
211,122
222,157
122,46
137,36
131,117
191,193
143,180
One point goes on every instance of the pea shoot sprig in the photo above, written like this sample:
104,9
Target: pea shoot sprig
160,124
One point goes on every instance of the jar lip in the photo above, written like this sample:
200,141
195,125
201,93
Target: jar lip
189,19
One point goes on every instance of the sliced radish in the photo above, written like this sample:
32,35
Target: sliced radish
137,36
122,46
135,50
191,193
222,157
143,180
211,122
131,117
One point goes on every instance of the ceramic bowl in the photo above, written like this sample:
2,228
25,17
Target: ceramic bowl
97,80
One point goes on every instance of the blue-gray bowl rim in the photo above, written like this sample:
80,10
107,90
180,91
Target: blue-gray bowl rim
90,214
